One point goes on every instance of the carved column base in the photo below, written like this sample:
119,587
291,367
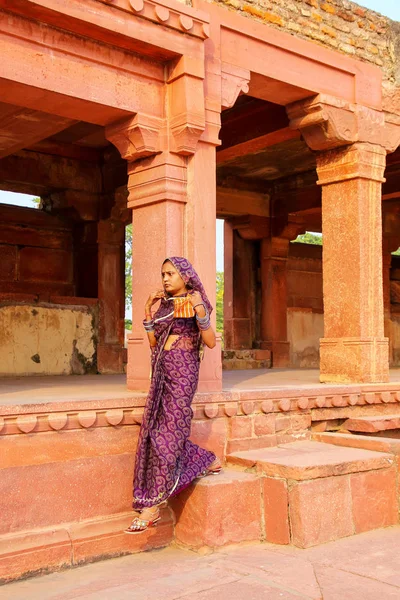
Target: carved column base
354,360
280,352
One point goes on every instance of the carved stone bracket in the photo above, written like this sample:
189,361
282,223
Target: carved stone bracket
327,122
168,13
136,137
186,110
234,81
251,227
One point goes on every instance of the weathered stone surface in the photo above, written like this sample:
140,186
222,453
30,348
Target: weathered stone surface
276,510
374,499
311,460
220,510
372,424
320,511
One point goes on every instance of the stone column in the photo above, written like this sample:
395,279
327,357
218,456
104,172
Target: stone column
352,141
238,290
354,347
273,259
111,294
172,194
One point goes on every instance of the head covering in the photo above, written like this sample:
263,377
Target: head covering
165,314
190,277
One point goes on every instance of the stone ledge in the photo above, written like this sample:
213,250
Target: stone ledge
44,550
305,460
372,424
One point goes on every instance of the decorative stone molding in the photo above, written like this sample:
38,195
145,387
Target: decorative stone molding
186,110
359,160
327,122
157,179
186,131
136,137
184,19
187,20
234,81
116,417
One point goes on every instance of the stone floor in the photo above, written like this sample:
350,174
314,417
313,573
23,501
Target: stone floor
33,390
363,567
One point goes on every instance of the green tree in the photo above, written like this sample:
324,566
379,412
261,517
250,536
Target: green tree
220,302
309,237
128,267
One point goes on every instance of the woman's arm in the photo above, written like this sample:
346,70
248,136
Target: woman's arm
148,320
202,317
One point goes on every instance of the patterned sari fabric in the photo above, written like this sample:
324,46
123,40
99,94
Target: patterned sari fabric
166,460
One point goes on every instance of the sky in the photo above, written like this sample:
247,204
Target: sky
389,8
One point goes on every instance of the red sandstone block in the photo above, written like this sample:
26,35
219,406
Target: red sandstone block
265,441
282,423
74,490
372,424
374,499
288,438
220,510
303,460
300,422
276,510
31,552
378,444
44,264
262,355
210,434
105,537
320,511
264,424
241,427
8,261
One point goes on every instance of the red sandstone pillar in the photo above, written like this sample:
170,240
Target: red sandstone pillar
274,253
354,348
239,325
173,213
111,293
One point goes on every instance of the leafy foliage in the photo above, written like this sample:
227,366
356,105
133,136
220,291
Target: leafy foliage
220,302
309,238
128,266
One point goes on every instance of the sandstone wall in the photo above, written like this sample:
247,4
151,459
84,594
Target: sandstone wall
337,24
47,339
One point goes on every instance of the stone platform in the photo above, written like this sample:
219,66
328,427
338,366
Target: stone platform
68,446
363,566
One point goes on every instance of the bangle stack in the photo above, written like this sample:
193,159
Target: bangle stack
203,322
148,325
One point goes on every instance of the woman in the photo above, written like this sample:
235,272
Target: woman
166,460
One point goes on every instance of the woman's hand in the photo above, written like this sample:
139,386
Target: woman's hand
153,298
195,298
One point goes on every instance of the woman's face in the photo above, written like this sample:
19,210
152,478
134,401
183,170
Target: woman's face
172,282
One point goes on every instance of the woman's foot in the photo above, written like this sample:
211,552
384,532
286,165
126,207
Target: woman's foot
149,517
214,469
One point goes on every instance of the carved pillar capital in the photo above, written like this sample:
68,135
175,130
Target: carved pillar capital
136,137
157,179
185,105
358,161
327,122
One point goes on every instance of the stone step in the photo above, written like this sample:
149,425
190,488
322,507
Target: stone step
219,510
310,460
315,492
372,424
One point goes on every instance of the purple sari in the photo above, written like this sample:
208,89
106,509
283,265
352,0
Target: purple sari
166,460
